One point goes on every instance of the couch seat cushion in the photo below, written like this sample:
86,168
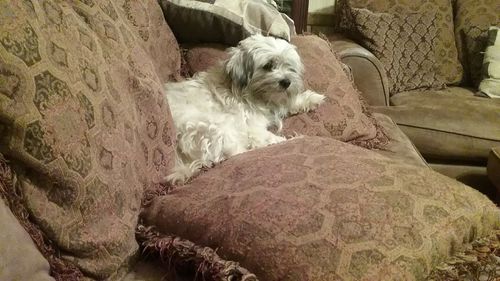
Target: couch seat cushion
318,209
450,124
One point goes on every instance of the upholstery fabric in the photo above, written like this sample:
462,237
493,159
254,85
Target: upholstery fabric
20,259
490,85
449,67
223,21
450,124
472,20
319,209
200,57
404,43
399,145
368,73
342,117
83,119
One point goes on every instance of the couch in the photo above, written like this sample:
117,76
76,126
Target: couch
452,128
86,137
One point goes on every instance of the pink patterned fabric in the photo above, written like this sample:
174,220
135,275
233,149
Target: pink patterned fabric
319,209
203,56
343,116
84,120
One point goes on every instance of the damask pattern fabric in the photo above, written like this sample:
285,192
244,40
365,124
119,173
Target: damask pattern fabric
490,85
83,119
343,116
200,57
473,18
319,209
448,65
404,43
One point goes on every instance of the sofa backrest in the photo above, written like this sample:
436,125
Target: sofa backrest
84,121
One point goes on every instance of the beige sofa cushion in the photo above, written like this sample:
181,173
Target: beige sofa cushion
84,121
224,21
472,20
319,209
19,257
448,64
450,124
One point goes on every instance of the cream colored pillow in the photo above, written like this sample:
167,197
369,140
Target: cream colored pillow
490,85
225,21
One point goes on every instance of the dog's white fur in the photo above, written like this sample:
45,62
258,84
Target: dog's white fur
228,109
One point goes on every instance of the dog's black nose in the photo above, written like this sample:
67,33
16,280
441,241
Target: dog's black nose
285,83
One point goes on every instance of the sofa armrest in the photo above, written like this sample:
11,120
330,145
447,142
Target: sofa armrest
368,72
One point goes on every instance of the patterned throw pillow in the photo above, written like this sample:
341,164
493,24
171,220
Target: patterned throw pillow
319,209
83,119
404,43
472,20
490,86
343,116
448,65
225,21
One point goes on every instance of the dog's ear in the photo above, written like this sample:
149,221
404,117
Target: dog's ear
239,66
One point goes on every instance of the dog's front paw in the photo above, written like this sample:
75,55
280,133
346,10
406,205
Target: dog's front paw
276,139
313,100
306,101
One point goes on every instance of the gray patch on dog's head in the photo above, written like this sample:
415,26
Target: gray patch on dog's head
239,67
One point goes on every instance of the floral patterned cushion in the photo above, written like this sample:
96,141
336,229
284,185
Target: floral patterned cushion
449,67
83,119
472,21
319,209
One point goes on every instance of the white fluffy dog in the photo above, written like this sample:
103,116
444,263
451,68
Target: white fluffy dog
228,109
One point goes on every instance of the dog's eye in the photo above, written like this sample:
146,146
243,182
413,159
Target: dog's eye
268,66
293,70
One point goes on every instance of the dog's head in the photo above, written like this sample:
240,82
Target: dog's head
267,68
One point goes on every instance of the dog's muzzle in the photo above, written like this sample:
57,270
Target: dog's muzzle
285,83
